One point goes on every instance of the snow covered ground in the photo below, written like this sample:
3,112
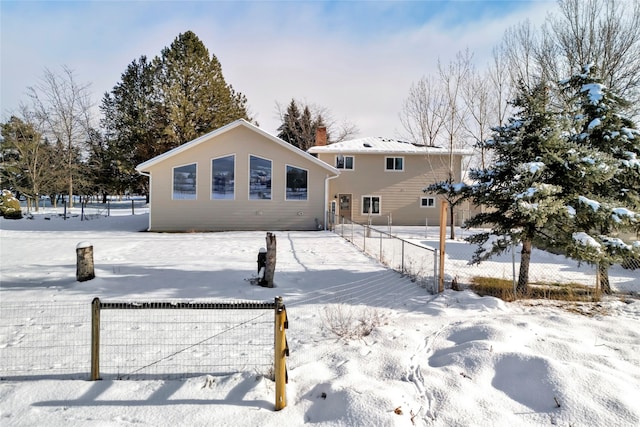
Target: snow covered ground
453,359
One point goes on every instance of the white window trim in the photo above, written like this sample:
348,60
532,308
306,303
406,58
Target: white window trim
249,178
235,166
173,181
285,183
362,212
427,207
353,162
393,157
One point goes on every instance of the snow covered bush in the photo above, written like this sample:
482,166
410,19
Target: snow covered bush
349,322
9,205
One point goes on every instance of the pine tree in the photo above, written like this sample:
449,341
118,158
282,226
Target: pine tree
165,102
289,130
195,96
522,191
133,124
605,198
299,129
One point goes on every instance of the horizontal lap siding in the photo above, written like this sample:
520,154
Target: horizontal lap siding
400,192
204,214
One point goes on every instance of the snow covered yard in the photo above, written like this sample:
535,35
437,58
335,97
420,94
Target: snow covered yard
448,360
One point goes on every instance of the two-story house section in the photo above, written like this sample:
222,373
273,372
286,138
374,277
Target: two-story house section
382,179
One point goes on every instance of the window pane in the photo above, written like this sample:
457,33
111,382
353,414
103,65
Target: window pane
184,182
398,164
376,205
390,163
427,202
366,205
259,178
296,183
348,162
223,179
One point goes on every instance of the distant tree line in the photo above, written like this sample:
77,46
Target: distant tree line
53,146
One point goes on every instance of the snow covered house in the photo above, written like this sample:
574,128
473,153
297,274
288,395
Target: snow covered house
383,179
237,177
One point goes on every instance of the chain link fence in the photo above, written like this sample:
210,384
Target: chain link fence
413,259
414,250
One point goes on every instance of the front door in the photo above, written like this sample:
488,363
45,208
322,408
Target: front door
345,206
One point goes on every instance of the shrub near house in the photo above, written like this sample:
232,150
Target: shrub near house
9,205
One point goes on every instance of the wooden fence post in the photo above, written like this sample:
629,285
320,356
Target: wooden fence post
270,268
443,233
95,339
281,351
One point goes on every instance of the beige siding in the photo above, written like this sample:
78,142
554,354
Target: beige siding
205,214
399,191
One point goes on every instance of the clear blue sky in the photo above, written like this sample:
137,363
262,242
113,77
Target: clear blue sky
356,58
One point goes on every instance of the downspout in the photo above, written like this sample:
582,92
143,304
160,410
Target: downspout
148,175
326,198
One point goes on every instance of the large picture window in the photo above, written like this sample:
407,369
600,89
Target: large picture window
223,178
297,183
259,178
344,162
184,182
370,205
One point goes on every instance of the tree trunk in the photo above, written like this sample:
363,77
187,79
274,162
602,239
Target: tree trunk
84,262
270,268
70,188
603,269
523,278
452,234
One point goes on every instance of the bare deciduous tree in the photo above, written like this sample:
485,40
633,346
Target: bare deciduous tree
454,77
62,106
435,114
605,33
423,111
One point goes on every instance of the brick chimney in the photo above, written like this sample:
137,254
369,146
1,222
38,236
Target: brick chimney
321,136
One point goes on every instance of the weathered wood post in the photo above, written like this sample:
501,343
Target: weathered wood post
95,339
84,262
270,268
443,233
281,352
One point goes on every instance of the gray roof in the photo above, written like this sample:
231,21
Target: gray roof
378,145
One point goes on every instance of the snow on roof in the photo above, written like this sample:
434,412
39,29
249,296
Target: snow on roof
380,145
143,167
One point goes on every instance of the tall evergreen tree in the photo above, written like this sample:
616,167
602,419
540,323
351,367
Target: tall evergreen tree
299,129
522,190
162,103
289,130
605,197
133,124
195,96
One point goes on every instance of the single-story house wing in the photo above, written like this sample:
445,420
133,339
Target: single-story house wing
237,177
